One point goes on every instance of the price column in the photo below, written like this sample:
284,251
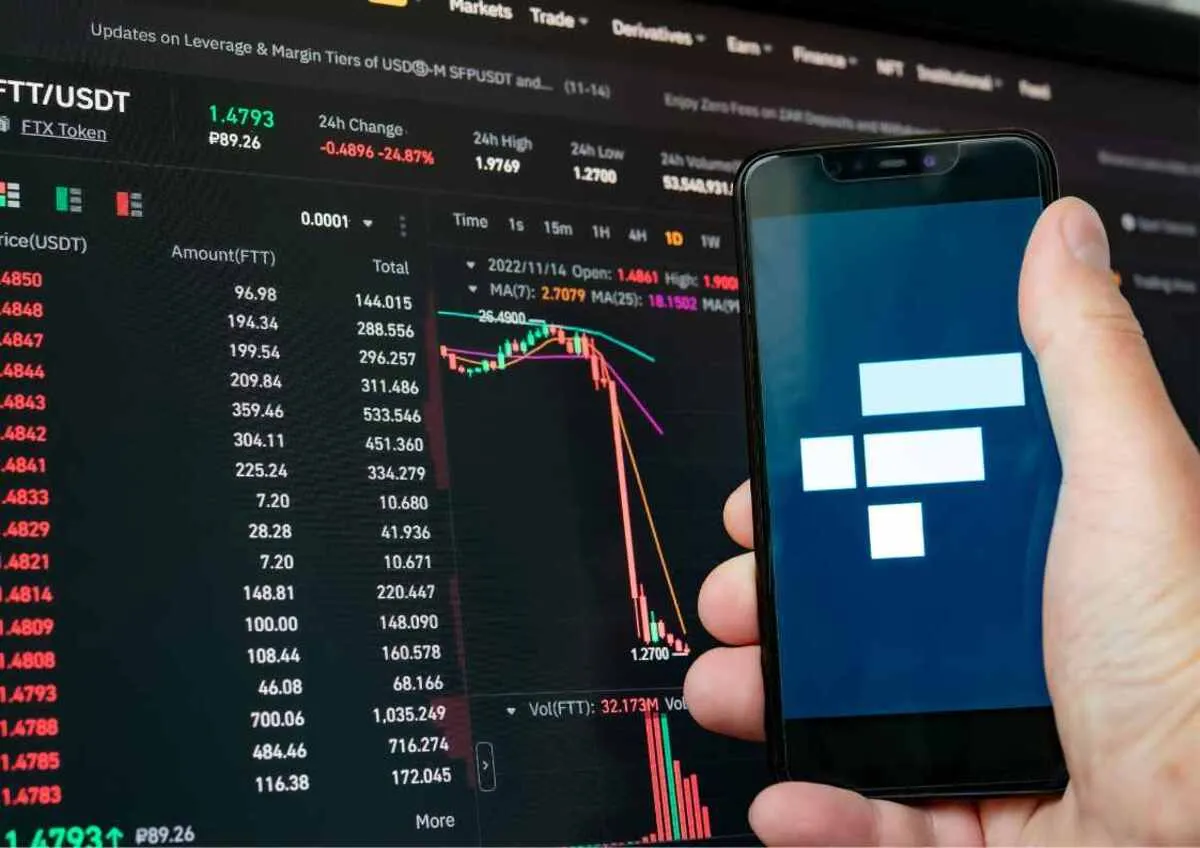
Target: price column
29,723
270,592
413,567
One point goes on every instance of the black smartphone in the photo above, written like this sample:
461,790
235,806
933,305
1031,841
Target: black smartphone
904,471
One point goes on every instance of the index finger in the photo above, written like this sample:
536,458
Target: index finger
739,516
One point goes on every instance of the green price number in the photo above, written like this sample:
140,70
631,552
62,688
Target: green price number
242,116
91,836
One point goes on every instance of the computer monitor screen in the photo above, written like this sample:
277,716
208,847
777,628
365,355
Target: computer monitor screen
371,388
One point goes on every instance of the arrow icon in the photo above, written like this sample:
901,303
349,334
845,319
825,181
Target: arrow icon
368,222
472,289
470,263
511,710
701,37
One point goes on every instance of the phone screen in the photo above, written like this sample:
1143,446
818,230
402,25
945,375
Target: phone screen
910,470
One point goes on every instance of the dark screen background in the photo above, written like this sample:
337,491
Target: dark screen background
960,628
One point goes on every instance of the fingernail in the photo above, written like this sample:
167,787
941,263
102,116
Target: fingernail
1083,232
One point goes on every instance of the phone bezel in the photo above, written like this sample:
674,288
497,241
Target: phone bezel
874,734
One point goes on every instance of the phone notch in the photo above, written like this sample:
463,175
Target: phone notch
889,162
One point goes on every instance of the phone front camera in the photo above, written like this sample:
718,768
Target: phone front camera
930,161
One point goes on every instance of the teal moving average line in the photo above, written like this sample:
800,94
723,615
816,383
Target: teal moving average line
597,333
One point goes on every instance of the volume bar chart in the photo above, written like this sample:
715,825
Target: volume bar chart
678,811
550,343
679,814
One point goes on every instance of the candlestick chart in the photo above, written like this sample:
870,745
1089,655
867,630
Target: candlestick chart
657,627
571,499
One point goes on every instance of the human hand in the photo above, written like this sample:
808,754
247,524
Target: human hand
1121,602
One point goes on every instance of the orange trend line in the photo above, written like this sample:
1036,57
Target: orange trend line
519,358
530,353
637,475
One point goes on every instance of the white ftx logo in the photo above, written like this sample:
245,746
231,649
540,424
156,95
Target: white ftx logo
914,458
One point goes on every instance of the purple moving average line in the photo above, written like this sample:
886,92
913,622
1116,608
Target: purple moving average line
658,429
548,356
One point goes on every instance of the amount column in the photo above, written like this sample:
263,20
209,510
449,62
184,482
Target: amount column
277,721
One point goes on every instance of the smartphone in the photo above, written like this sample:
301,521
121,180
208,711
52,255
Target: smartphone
904,471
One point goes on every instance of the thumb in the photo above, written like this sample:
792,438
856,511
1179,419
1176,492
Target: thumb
1111,414
1121,610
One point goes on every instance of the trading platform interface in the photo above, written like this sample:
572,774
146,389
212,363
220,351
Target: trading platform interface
370,389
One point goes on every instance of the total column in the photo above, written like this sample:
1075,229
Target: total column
420,711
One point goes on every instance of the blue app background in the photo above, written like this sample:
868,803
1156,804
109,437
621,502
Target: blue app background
957,629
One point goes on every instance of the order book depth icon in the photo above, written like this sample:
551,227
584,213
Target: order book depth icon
10,195
915,457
